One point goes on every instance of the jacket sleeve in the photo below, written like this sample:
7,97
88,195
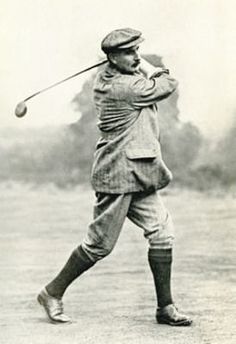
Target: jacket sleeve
144,92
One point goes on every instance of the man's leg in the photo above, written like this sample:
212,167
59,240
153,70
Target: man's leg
160,264
148,212
77,263
109,215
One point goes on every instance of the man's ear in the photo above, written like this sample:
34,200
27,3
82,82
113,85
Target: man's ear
112,58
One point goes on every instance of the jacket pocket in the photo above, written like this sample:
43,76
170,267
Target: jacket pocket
142,153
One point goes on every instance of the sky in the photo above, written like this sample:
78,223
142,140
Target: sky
44,41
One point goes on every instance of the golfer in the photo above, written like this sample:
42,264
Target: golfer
127,174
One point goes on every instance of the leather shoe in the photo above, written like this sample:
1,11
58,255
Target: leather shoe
170,315
53,307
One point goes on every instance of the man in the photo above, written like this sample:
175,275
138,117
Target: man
127,174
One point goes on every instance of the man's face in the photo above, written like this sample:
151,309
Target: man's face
126,60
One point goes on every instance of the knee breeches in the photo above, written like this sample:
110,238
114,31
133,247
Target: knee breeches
144,209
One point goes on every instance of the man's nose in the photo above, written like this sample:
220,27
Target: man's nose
137,56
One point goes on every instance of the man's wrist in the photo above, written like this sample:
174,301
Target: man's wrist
159,73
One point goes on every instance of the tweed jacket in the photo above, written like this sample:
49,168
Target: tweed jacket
128,154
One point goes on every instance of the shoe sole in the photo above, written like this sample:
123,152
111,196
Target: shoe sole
180,323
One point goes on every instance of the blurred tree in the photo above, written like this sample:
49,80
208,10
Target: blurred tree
225,155
216,165
84,132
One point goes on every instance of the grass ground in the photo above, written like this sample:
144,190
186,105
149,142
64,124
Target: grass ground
115,302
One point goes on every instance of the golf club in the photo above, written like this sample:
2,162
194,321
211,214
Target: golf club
21,107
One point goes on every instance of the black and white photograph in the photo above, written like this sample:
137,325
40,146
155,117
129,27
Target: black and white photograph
118,172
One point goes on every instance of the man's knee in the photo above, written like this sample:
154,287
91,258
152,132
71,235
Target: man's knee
163,237
96,252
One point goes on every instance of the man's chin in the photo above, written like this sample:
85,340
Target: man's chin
130,70
134,69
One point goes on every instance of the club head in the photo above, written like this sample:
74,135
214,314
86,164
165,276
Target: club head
21,109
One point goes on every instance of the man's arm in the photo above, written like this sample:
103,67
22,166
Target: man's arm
144,92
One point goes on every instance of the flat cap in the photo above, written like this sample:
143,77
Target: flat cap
121,39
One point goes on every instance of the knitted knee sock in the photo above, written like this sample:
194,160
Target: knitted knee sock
160,263
77,263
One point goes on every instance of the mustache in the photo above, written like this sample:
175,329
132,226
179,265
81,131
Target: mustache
137,63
